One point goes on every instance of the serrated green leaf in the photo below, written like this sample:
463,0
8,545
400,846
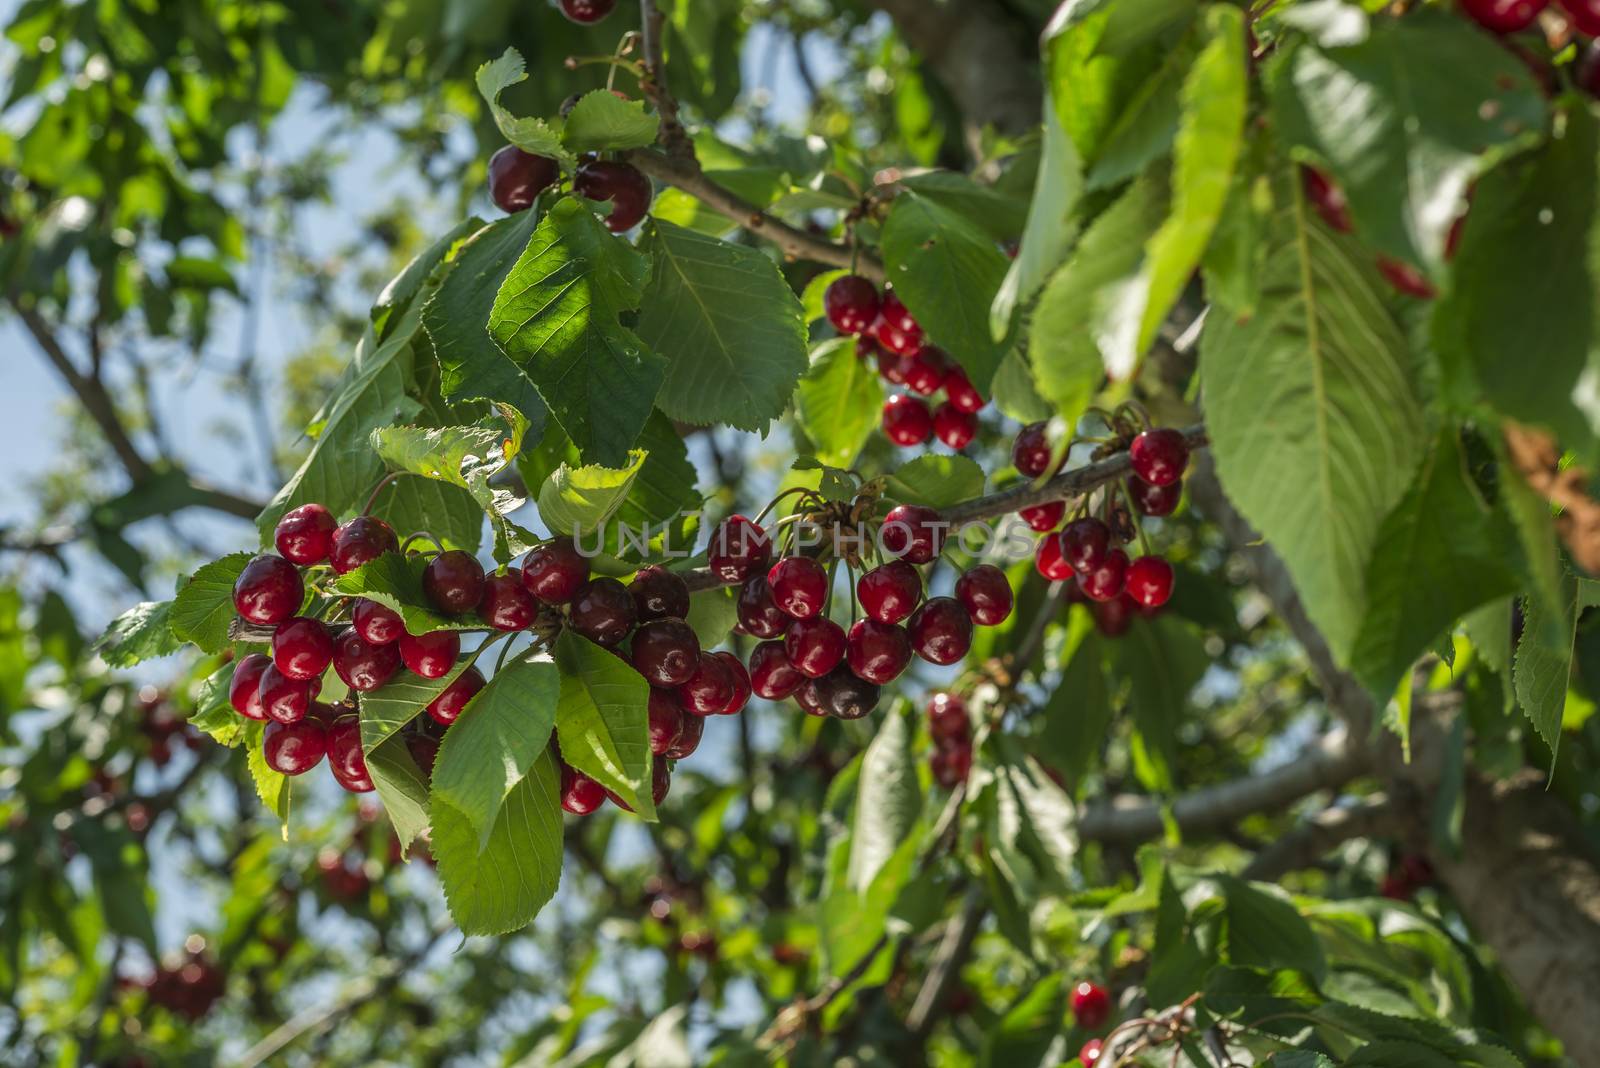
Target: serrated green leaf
1015,393
888,798
530,135
839,402
1024,1034
712,614
272,787
204,608
579,500
1266,931
602,720
447,512
1161,660
143,632
1542,667
936,481
1078,712
390,707
601,122
395,581
401,787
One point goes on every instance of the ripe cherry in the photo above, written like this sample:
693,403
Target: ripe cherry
665,651
1044,517
1113,618
960,392
913,533
897,314
452,701
1089,1055
1048,561
1155,501
623,184
1327,198
877,652
660,783
603,611
304,535
947,718
893,367
954,427
345,758
941,630
741,684
1159,456
927,370
302,648
244,689
425,751
758,612
811,697
1584,15
658,593
1084,543
1406,279
283,699
890,593
554,571
268,591
516,178
799,586
842,695
294,748
1105,581
1091,1005
360,664
362,539
1587,77
772,676
376,623
739,548
951,766
815,645
587,11
453,581
666,721
1149,581
430,655
1032,453
688,738
906,420
507,605
896,339
708,689
986,594
1503,16
580,795
851,303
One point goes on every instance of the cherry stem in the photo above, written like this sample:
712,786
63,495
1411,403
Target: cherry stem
429,535
1133,511
613,61
382,482
790,492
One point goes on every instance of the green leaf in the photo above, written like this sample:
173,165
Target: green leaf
1001,215
1440,553
1015,394
839,402
395,581
602,721
401,787
1542,667
271,787
601,122
492,747
1049,819
712,614
448,512
1078,712
947,270
1144,131
1403,143
143,632
390,707
888,798
575,500
1162,660
1029,1027
530,135
1315,424
204,608
557,318
731,328
1266,931
500,887
936,481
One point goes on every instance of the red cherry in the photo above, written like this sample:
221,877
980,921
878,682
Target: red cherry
947,718
516,178
708,689
363,539
1044,517
1084,543
283,699
376,623
906,421
1105,581
1155,501
811,697
580,795
453,581
877,652
1406,279
815,645
985,592
741,684
244,690
1584,15
1159,456
1149,581
1090,1053
688,738
430,655
758,612
554,571
896,339
1418,870
425,751
1396,887
772,676
268,591
507,605
1327,198
842,695
1113,618
345,758
954,427
913,533
658,593
799,586
623,184
739,548
941,630
587,11
952,766
660,783
893,367
304,535
1503,16
1587,77
302,648
960,392
603,611
890,593
851,303
1091,1005
665,651
1047,559
1032,454
294,748
927,370
666,721
361,665
452,701
897,314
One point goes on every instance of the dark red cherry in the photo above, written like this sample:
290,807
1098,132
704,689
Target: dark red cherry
1048,561
362,539
741,684
1503,16
1155,501
739,548
1113,618
580,795
941,630
954,427
812,697
799,586
244,689
507,605
1105,581
1587,77
758,612
376,623
302,648
913,533
360,664
951,766
587,11
707,691
1583,14
1044,517
425,751
452,701
897,314
851,303
927,370
516,178
960,392
1091,1005
896,339
906,420
1149,581
665,651
294,748
947,718
1032,453
1084,543
772,676
1159,456
890,593
658,593
345,758
453,581
666,721
283,699
893,367
877,652
815,645
1406,279
430,655
1327,198
844,696
603,611
554,571
304,535
688,738
985,592
268,591
623,184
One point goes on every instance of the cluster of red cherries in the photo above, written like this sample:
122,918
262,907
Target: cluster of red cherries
891,335
951,730
516,178
1408,873
1091,1009
1513,16
188,985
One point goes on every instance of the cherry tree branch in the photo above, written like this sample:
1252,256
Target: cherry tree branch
1314,839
